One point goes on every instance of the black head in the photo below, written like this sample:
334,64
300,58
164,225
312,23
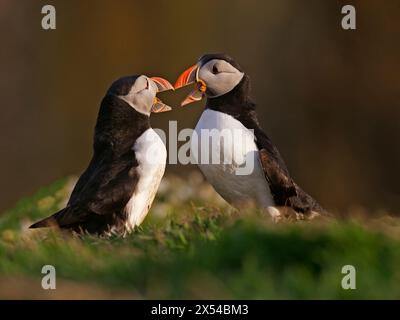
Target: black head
122,86
219,56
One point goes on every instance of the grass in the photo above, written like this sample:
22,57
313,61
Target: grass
193,246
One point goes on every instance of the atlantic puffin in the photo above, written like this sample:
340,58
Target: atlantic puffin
268,185
115,192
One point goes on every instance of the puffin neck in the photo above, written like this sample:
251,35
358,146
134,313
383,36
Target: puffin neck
118,124
119,113
235,101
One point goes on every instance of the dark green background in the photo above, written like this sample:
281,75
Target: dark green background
329,98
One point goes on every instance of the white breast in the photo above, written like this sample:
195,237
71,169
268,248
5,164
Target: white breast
151,155
235,186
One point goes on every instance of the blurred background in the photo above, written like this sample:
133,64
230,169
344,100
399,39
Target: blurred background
328,98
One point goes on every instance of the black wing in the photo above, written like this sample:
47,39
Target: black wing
284,190
101,193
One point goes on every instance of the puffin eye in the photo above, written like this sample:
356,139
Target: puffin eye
215,69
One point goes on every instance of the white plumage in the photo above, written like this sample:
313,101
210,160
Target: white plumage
239,152
151,155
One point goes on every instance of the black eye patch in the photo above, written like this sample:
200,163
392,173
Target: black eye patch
215,69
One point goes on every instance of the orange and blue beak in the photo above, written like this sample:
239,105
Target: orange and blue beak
187,77
162,85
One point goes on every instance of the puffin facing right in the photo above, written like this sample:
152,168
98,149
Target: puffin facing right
115,193
229,108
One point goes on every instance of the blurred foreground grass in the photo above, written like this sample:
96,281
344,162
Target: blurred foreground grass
193,246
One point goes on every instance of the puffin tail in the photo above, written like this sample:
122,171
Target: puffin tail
48,222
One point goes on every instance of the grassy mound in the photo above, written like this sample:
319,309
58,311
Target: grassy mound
193,246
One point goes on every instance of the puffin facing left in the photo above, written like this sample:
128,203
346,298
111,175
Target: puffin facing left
117,189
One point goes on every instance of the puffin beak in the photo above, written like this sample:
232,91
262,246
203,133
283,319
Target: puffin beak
159,106
162,85
189,76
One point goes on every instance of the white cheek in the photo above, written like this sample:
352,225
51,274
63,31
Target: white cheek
226,82
222,83
140,101
143,98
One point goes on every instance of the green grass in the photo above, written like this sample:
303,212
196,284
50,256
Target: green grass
194,246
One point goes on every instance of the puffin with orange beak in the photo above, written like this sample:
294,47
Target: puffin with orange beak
114,194
229,110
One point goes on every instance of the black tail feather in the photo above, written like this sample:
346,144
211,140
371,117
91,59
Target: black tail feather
47,222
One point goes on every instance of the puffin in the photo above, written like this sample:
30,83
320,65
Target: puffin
238,142
115,192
